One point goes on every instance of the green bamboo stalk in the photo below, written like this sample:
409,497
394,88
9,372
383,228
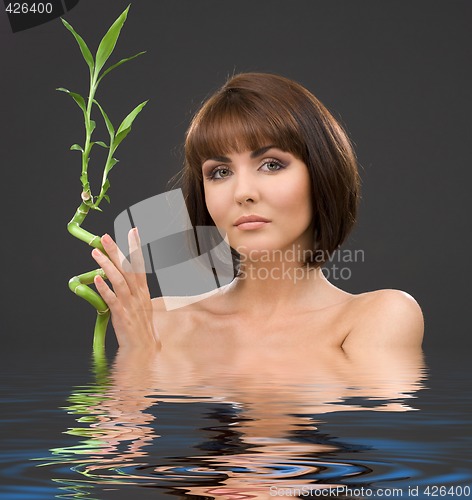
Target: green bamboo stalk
79,284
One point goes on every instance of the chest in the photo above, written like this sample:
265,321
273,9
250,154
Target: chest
197,329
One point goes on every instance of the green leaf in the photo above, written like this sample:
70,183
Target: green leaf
128,121
120,137
111,164
92,126
109,41
101,143
106,197
76,147
77,98
83,46
125,127
108,123
111,68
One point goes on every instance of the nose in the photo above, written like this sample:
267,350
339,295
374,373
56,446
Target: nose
245,190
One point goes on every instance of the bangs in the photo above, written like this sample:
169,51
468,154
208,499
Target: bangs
235,123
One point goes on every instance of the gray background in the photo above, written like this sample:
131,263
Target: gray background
396,73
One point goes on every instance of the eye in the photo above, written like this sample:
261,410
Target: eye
219,173
271,165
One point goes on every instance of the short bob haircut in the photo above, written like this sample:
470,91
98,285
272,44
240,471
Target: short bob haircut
253,110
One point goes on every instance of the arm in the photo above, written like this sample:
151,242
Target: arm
387,319
129,301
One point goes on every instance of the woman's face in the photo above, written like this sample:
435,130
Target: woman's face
269,184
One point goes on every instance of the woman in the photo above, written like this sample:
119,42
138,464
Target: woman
273,170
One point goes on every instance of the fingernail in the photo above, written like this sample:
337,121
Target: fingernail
96,252
106,238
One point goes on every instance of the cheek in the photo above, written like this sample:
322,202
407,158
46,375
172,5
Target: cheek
295,197
215,205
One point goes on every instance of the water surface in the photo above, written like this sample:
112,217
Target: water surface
200,425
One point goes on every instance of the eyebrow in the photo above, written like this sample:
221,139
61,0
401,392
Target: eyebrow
254,154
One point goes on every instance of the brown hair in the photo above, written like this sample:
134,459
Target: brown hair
252,110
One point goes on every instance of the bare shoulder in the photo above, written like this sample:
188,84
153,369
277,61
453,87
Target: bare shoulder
182,322
184,303
172,306
204,302
385,319
172,318
158,304
184,311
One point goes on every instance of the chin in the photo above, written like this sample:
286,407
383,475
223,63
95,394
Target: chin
253,248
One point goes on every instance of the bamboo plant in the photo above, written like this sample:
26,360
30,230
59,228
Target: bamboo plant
79,284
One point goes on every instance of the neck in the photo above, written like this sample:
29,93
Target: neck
265,288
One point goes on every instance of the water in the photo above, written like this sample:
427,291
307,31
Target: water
205,427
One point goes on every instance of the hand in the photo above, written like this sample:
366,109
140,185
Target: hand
129,301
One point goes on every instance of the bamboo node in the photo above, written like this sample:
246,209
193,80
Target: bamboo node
101,313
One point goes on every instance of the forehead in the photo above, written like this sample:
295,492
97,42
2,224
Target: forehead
226,129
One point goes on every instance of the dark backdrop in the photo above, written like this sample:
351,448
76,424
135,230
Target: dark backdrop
396,73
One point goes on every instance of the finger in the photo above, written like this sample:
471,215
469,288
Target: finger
118,259
120,285
105,292
136,254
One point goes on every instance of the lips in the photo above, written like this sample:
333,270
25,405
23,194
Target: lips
250,218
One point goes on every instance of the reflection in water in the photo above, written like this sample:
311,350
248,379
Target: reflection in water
228,424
